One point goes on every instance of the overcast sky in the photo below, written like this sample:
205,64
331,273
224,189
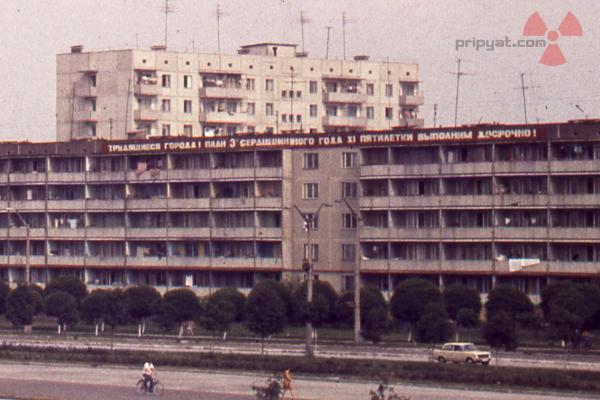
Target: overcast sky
425,31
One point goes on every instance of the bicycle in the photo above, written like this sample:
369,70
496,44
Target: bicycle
157,388
270,390
380,394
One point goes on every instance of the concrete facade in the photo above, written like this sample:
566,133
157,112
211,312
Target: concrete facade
478,205
267,87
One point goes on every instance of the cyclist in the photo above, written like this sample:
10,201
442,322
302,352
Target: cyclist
287,383
149,373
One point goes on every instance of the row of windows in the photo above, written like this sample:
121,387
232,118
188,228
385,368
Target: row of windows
348,252
311,160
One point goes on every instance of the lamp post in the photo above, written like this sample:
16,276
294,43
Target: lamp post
309,219
27,245
357,259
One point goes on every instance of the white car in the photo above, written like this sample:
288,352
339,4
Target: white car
462,352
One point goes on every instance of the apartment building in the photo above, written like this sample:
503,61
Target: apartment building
479,205
265,88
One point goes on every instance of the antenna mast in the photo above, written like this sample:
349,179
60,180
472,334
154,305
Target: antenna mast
327,46
219,14
167,9
523,88
458,74
303,20
344,21
435,114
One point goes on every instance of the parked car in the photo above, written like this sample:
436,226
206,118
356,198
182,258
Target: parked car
461,352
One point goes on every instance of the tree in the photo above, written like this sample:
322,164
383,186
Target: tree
67,284
185,306
510,301
95,308
376,325
4,290
344,310
165,317
233,296
218,314
141,302
499,331
22,304
63,306
318,314
265,312
117,313
370,299
433,326
410,299
285,294
459,297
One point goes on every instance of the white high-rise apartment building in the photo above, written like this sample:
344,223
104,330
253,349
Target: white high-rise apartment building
265,88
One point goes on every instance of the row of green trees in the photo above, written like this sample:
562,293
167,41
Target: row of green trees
434,316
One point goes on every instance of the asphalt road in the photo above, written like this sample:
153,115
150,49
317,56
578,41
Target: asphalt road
63,382
579,360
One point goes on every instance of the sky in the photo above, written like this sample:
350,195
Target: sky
434,34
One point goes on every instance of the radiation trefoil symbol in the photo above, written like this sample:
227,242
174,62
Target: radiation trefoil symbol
569,26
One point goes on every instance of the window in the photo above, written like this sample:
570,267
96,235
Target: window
284,93
93,104
311,161
349,190
298,94
187,106
188,130
331,111
370,113
250,129
370,89
348,252
187,81
231,107
165,105
269,86
314,221
93,80
389,90
313,110
269,109
269,129
313,87
348,221
352,111
314,252
388,113
166,130
310,191
166,81
299,118
231,130
251,109
250,84
291,94
349,160
284,118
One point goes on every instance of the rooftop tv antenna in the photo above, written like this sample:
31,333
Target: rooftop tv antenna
344,22
167,9
458,74
523,90
303,20
327,45
219,14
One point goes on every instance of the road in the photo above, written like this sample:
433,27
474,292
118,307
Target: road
580,360
63,382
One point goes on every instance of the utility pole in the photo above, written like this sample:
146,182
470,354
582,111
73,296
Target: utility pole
458,74
435,115
309,220
327,45
523,88
357,265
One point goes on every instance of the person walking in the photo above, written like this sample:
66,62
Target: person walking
287,384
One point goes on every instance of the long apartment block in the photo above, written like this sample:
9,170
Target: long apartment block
266,87
479,205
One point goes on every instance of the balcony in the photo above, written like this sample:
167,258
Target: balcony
70,177
232,262
66,261
414,169
467,201
344,121
190,174
67,205
85,89
24,205
27,177
147,204
411,99
374,170
85,115
22,260
374,202
475,168
146,233
105,261
147,262
521,200
475,266
145,114
574,166
573,200
106,176
412,122
66,233
414,266
189,262
112,205
520,167
233,203
378,265
573,268
415,201
189,233
189,204
344,97
520,233
106,232
268,263
232,173
146,89
269,172
268,233
268,202
225,117
219,92
21,233
151,175
467,233
574,234
233,233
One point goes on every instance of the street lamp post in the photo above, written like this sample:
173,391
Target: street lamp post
357,262
309,219
27,246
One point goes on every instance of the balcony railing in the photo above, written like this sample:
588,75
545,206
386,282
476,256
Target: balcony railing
411,100
145,114
145,89
223,117
344,97
346,121
216,92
